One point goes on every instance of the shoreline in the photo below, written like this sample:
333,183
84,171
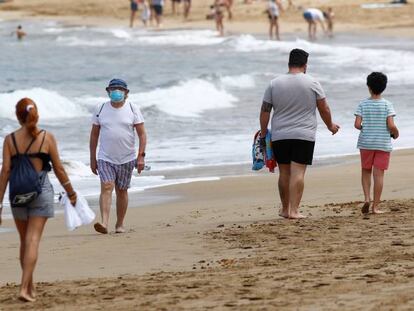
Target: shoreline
293,24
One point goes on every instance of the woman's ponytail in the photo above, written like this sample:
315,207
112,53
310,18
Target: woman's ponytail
26,112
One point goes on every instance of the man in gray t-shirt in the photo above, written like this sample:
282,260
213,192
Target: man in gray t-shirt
294,98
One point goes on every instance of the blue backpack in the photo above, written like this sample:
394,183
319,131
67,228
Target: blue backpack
25,184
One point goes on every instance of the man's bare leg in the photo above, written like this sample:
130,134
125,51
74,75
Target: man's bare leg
366,187
121,209
378,185
105,202
296,186
283,184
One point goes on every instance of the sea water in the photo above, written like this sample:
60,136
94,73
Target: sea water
200,94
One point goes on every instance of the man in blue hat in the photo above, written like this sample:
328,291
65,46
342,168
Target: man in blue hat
114,124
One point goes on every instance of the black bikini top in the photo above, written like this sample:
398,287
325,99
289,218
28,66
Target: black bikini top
45,157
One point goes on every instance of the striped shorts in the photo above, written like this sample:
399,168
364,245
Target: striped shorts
120,174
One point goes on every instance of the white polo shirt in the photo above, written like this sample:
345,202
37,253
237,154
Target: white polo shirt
117,132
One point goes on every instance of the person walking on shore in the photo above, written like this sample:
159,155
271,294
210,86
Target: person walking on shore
374,117
134,9
158,8
294,98
114,126
27,153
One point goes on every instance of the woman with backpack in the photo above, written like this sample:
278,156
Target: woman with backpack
27,157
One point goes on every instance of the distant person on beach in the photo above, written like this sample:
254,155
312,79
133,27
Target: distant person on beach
146,13
37,148
134,9
374,117
294,98
329,16
187,8
313,17
218,16
20,34
174,5
158,7
114,125
273,11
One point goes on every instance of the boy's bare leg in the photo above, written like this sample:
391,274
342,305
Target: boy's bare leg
378,185
283,184
366,187
296,186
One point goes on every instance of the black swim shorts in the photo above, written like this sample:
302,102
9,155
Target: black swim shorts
293,150
134,6
157,9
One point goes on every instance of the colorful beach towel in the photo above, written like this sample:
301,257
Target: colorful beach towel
261,157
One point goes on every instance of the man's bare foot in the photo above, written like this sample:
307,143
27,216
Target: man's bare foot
365,208
284,214
25,297
296,215
120,229
377,211
100,228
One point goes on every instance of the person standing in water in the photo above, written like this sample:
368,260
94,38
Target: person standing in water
329,16
313,17
114,125
30,215
20,34
273,11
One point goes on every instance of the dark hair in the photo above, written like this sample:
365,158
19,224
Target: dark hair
26,112
298,58
377,82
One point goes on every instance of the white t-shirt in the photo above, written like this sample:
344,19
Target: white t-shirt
117,132
273,9
316,14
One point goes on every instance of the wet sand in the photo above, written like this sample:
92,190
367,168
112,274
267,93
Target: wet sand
219,245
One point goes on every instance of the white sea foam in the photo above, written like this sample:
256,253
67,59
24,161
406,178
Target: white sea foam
186,99
77,41
181,38
242,81
121,33
51,104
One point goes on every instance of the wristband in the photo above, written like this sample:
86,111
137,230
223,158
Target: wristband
70,195
66,183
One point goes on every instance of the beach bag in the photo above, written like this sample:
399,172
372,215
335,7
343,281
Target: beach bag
25,184
85,213
261,157
78,215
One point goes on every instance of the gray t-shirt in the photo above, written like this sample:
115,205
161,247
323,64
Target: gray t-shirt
293,97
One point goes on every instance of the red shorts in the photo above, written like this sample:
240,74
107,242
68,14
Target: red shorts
375,158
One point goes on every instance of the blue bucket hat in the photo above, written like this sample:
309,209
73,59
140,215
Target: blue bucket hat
115,83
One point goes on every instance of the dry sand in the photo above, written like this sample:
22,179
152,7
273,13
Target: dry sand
219,245
248,18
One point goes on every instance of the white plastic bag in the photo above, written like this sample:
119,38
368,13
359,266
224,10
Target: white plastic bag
85,213
72,219
78,215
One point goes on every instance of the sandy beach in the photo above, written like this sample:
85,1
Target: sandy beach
219,245
248,18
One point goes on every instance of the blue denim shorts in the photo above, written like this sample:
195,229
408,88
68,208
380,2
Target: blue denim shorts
42,206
